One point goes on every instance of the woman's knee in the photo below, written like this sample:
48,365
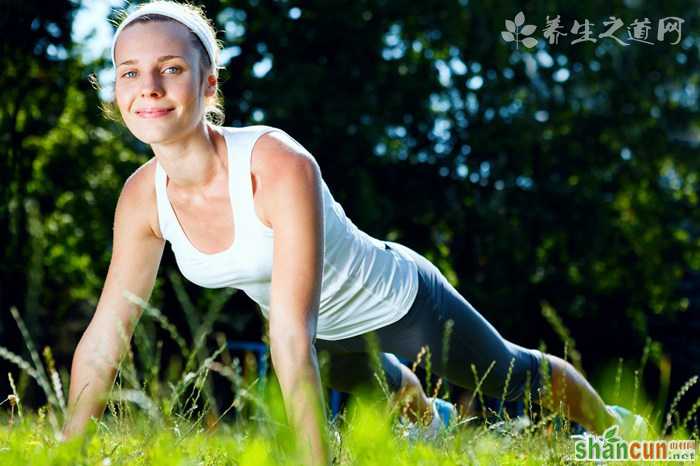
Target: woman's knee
354,372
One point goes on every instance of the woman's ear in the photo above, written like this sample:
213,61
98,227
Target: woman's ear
210,89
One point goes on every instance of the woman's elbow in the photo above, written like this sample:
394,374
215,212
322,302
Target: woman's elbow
290,344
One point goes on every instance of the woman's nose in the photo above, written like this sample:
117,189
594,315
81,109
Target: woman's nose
151,85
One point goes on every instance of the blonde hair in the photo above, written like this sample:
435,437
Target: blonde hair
214,110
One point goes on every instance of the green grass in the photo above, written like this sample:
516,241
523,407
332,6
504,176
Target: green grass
168,415
366,438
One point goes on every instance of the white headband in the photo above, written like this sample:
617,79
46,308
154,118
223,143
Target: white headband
173,10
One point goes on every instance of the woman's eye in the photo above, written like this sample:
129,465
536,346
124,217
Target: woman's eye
131,74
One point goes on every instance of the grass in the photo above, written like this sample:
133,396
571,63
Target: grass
170,417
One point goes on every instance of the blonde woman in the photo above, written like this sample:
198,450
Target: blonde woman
247,208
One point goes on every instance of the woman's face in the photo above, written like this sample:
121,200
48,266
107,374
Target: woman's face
159,90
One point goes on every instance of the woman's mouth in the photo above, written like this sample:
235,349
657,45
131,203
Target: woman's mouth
154,112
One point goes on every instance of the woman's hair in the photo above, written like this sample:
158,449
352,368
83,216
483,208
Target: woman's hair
214,112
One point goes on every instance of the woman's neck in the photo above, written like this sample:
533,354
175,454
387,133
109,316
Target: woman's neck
192,162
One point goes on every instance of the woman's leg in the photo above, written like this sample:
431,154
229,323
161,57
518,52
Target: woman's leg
350,372
472,340
411,395
580,400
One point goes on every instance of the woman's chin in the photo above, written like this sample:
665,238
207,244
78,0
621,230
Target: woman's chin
154,133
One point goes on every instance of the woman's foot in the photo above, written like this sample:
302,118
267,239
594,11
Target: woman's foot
439,419
422,417
412,397
631,426
444,415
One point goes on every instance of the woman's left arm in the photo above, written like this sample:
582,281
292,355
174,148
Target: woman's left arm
293,204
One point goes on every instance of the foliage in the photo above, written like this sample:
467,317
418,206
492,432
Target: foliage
562,174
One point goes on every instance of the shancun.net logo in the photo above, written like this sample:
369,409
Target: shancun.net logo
638,31
611,447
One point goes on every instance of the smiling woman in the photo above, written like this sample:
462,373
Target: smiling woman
220,196
248,208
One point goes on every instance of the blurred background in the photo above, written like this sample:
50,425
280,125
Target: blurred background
554,183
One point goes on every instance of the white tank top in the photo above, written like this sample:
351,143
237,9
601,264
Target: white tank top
364,287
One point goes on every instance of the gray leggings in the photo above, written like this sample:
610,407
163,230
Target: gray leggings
472,340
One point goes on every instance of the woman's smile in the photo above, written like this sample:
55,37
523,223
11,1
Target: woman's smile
154,112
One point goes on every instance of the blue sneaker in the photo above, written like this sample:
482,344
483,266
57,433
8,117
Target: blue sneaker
632,426
444,414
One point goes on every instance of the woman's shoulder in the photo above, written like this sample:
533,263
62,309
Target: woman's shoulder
139,196
275,150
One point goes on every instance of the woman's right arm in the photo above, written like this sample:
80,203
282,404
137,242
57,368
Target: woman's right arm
136,255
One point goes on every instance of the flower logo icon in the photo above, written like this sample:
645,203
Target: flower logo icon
514,31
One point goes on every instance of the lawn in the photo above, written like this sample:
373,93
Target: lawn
167,417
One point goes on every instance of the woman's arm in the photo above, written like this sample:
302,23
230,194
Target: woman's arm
136,254
293,204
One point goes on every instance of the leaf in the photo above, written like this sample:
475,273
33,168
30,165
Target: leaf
507,36
528,29
529,42
510,25
520,19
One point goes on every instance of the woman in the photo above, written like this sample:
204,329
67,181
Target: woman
220,195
